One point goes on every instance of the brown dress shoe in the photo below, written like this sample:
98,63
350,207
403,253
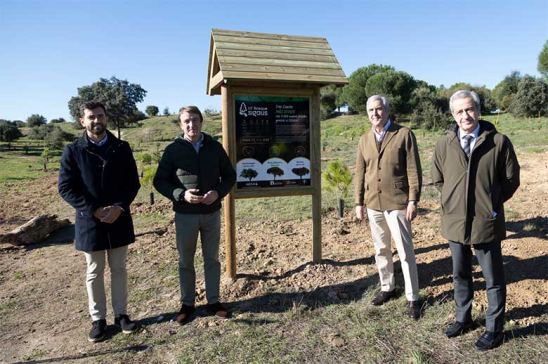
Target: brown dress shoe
218,309
184,315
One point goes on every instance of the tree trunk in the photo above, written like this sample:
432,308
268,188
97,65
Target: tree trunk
118,129
35,230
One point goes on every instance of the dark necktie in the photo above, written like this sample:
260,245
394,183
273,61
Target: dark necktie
466,146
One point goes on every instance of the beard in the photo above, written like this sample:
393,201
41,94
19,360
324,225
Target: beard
97,129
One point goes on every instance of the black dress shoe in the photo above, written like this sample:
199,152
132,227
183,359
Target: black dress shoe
458,328
185,314
489,340
382,296
414,309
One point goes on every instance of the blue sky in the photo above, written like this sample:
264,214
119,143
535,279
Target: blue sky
52,47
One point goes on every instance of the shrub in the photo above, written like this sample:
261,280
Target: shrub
531,99
9,132
428,116
152,110
53,136
36,120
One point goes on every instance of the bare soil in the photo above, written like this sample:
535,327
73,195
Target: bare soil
42,286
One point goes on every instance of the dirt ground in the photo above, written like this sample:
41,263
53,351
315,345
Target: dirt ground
42,286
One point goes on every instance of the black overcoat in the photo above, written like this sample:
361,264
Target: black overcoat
89,180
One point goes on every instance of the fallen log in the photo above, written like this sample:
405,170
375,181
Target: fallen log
34,231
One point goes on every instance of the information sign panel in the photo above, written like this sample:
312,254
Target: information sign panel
273,141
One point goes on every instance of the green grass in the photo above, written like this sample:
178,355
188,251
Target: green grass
17,167
311,329
527,134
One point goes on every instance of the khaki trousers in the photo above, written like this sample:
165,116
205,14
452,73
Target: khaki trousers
393,224
95,282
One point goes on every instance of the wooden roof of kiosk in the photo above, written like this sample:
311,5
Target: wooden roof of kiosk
245,58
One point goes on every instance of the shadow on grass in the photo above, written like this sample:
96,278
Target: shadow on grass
319,297
521,312
539,329
439,272
536,227
91,354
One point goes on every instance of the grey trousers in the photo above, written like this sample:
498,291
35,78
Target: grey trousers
187,228
490,259
95,282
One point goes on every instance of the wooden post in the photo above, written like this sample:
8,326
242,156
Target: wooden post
229,204
316,181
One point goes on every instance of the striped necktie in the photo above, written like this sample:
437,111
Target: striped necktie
466,146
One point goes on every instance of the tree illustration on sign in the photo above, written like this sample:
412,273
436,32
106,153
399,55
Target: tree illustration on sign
301,171
275,171
249,173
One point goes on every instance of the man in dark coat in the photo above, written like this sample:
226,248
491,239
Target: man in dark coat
476,169
195,173
98,177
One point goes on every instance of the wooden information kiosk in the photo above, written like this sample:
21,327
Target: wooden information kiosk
270,87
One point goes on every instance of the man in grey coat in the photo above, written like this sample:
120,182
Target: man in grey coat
476,169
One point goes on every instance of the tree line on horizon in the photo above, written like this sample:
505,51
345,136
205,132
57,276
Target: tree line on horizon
423,104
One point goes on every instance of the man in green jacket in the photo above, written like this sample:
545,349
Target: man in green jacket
195,174
476,169
388,185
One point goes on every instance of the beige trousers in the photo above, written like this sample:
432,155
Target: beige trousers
95,282
393,224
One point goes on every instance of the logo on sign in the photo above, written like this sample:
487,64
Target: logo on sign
243,109
252,110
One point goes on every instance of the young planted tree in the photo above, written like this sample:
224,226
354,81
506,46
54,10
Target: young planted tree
45,158
147,177
275,171
337,178
249,173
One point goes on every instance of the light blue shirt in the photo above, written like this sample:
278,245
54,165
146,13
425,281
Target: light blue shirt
380,136
474,134
100,142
